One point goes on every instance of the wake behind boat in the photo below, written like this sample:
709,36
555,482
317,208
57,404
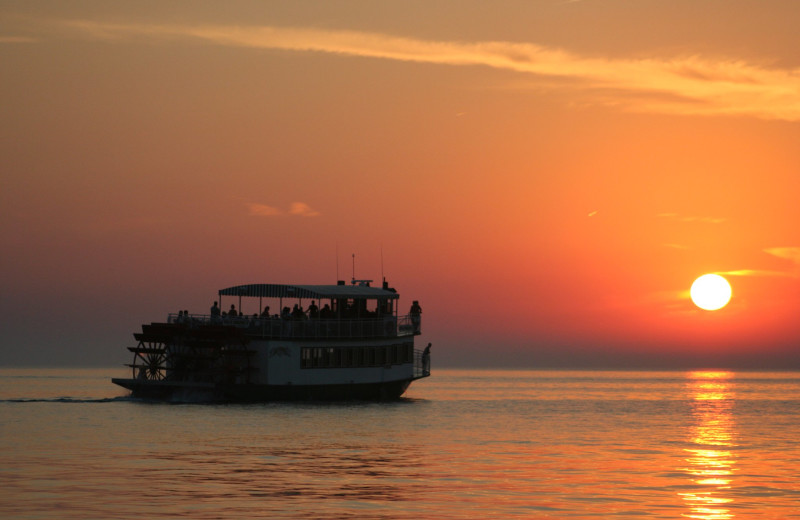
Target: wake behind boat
350,343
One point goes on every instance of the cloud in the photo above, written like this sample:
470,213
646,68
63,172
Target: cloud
677,85
792,254
787,253
691,218
300,209
262,210
753,272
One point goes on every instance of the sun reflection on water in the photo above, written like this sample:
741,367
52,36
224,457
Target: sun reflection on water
710,457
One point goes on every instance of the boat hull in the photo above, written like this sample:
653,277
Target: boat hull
182,392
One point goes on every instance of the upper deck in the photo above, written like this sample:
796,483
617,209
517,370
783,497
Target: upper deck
333,311
274,327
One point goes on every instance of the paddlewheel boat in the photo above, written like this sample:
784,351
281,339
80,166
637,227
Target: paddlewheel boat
350,343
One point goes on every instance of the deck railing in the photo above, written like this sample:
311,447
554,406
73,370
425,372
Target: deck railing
277,328
422,364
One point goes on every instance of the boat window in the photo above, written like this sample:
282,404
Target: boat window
339,357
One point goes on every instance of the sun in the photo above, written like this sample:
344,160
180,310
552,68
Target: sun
711,292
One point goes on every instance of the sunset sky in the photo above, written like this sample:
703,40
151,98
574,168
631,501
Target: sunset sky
547,177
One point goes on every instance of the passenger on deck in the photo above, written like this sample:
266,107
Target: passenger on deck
313,310
286,317
326,313
297,312
232,313
415,313
215,313
265,314
426,359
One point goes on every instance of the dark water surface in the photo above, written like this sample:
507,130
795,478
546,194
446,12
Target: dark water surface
464,444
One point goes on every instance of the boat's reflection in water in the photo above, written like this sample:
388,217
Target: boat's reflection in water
710,456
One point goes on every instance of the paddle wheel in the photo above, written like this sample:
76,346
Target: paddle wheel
177,353
150,360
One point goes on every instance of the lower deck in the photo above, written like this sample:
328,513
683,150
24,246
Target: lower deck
226,363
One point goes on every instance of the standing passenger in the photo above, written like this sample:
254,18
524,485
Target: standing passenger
313,310
415,313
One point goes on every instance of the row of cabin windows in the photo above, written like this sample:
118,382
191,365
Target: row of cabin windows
346,357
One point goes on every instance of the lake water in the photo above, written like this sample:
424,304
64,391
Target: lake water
463,444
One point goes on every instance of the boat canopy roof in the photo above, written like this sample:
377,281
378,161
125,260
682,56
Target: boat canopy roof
321,292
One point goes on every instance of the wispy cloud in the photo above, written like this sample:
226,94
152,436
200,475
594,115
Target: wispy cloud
753,272
299,209
262,210
303,210
682,85
787,253
691,218
791,254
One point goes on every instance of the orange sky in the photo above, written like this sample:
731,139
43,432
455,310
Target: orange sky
546,177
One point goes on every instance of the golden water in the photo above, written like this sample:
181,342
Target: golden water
464,444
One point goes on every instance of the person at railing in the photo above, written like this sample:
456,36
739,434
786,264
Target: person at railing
326,313
215,313
313,311
232,313
426,359
415,313
265,314
286,320
297,313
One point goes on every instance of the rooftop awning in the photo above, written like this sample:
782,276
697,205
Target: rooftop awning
271,290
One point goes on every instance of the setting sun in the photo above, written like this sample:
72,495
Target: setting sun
711,292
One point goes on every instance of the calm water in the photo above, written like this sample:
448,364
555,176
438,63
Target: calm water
465,444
